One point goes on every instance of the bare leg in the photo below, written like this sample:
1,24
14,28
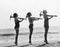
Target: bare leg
31,31
16,38
45,35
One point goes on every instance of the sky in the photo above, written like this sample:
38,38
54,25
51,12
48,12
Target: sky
22,7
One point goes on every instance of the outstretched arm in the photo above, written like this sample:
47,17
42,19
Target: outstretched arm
35,18
21,19
38,18
52,15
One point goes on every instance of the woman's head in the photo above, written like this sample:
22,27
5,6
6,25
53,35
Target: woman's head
15,15
44,12
29,14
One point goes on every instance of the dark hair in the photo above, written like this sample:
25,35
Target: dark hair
44,11
29,14
15,15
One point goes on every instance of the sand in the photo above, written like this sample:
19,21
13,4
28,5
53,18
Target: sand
37,40
7,38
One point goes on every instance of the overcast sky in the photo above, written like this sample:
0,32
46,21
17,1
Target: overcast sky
8,7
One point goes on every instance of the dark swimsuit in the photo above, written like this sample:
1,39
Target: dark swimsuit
46,23
31,26
17,24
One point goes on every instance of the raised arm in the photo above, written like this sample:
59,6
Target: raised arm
11,17
41,14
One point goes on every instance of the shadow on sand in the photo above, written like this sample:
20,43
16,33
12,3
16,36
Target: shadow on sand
41,45
34,45
27,45
47,45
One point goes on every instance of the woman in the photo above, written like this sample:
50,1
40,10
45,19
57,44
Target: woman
17,21
31,20
46,23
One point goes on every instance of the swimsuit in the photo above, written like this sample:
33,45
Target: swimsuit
17,24
46,23
31,26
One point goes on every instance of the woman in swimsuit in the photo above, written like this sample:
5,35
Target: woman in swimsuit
31,20
17,21
46,23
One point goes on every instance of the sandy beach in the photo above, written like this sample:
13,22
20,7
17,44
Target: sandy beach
7,38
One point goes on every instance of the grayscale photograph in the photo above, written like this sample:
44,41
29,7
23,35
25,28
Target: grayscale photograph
29,23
